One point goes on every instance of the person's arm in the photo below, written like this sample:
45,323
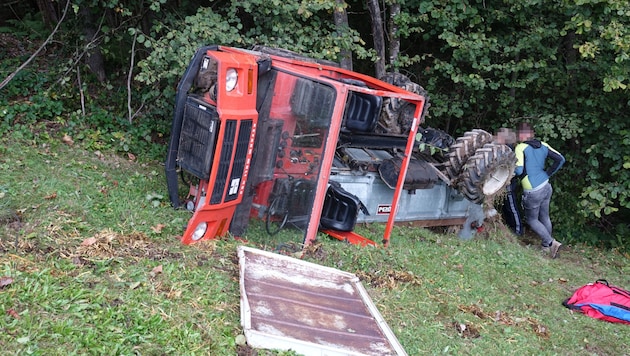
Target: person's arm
557,158
519,151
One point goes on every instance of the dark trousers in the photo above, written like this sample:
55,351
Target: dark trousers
511,212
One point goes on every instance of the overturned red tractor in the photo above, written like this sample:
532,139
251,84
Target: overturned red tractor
296,142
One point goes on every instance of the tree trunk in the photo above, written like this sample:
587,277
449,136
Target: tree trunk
378,37
570,55
94,56
49,13
394,37
514,78
341,23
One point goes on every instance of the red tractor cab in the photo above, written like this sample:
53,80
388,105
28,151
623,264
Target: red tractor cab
296,142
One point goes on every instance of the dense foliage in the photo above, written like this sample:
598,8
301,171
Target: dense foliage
563,65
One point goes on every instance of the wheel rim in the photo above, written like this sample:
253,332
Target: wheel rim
496,180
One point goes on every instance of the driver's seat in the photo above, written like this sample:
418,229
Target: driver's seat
341,209
362,112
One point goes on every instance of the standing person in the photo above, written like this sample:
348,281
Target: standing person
510,209
531,158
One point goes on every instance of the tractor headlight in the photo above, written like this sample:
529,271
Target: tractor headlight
200,230
231,78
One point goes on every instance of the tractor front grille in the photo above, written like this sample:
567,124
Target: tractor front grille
240,159
231,146
199,130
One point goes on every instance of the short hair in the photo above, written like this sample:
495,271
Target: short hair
525,126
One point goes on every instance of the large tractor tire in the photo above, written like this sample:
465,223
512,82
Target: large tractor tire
463,148
487,172
397,114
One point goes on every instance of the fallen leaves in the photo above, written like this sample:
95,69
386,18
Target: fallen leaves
389,279
158,228
89,241
134,285
108,244
466,330
474,310
67,140
5,281
539,329
155,271
13,314
506,319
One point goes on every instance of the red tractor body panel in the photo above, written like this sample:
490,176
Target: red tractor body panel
272,136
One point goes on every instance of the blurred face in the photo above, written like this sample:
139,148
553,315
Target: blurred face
526,134
505,137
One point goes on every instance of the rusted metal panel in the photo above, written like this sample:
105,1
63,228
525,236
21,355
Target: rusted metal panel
287,303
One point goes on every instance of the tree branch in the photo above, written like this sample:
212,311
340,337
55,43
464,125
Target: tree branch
130,75
28,61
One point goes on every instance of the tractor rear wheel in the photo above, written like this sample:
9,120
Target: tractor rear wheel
488,171
397,114
463,148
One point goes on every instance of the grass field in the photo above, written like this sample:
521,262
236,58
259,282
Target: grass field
90,263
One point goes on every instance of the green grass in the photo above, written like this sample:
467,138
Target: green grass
90,243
